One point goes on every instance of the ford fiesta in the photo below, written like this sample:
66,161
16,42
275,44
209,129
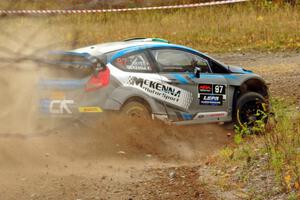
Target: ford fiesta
145,77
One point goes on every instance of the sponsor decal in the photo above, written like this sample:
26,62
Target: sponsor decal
211,89
121,61
162,91
60,106
219,89
210,115
205,88
90,109
212,100
136,62
211,94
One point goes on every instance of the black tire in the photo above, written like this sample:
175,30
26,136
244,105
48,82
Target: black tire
248,107
136,110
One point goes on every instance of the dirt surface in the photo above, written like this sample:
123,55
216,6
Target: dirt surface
117,159
109,162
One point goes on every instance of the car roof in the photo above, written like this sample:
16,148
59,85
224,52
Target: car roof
104,48
130,45
127,46
100,49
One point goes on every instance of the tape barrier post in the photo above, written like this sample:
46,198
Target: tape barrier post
43,12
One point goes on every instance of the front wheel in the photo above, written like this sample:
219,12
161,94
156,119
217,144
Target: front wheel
251,110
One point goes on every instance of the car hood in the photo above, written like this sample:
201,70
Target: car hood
239,70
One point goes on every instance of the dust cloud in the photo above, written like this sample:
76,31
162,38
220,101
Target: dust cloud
50,159
23,136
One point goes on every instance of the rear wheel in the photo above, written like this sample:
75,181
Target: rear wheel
136,110
251,108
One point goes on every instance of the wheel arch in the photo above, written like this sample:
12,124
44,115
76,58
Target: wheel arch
254,85
257,85
123,95
138,99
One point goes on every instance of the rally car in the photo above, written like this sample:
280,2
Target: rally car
150,77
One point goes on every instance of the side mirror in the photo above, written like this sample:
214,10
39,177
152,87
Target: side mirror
197,71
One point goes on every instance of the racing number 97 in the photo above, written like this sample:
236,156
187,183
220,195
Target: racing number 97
219,89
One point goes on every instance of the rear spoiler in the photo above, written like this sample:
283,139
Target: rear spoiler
68,59
143,39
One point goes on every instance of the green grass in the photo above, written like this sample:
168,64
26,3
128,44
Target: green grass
243,27
280,142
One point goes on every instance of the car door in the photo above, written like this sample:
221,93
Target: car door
208,91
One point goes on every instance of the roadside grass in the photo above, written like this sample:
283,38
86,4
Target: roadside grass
277,150
282,142
236,28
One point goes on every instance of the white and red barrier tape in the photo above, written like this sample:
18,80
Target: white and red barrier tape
10,12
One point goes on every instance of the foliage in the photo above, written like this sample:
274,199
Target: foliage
258,127
281,142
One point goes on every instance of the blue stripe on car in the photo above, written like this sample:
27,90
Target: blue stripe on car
162,45
207,75
180,78
187,116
